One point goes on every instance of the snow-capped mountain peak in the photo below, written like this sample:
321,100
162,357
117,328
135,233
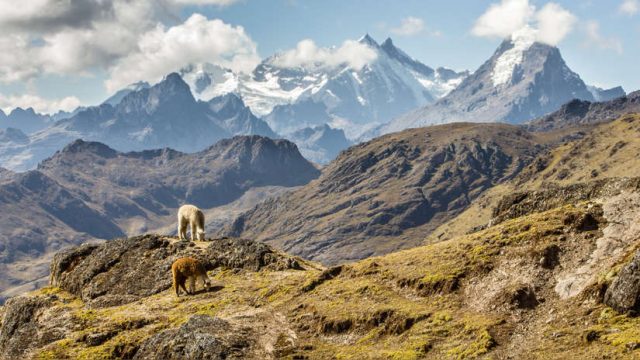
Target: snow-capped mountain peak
208,80
505,64
390,83
523,80
366,39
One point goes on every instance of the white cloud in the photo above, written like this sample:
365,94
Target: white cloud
47,37
163,50
409,26
308,54
595,38
80,37
629,7
40,105
503,19
551,24
554,23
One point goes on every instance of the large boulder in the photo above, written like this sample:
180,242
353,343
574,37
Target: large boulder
201,337
624,293
30,323
125,270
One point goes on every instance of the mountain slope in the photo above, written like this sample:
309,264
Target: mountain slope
382,195
321,143
523,80
596,152
390,85
498,293
25,120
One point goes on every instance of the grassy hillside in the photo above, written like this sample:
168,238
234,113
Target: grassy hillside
608,150
491,294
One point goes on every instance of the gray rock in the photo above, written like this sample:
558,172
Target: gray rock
201,337
124,270
624,293
581,112
21,329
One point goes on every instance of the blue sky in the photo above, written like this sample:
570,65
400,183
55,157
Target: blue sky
602,44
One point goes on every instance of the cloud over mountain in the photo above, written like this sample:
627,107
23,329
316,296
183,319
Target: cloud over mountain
550,25
162,50
308,55
74,37
409,26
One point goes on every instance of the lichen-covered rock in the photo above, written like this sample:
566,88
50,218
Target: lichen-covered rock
201,337
28,323
124,270
524,203
624,293
247,254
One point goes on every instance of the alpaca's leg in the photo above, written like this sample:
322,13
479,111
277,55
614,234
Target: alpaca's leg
182,229
194,231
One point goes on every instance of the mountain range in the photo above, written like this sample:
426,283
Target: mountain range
545,265
294,97
162,115
322,108
523,80
391,192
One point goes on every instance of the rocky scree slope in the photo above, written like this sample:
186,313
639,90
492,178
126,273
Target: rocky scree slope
540,284
90,191
385,194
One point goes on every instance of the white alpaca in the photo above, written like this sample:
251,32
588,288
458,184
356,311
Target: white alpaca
190,215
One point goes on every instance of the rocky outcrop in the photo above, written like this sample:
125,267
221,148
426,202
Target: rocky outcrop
528,202
624,293
127,269
201,337
26,325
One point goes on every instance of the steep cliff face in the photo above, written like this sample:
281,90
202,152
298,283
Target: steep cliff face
382,195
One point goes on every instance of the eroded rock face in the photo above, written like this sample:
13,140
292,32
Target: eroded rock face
201,337
524,203
29,323
624,293
124,270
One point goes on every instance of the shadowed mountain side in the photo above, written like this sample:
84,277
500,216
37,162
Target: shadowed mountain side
388,193
155,182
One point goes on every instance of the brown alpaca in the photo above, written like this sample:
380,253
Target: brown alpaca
188,269
190,215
